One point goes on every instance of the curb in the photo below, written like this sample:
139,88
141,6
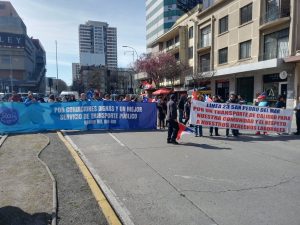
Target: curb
113,212
3,139
54,189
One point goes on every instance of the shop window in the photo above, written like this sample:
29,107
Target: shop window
190,52
223,25
191,32
223,55
245,50
246,14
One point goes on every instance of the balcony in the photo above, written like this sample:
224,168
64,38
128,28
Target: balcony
274,16
274,55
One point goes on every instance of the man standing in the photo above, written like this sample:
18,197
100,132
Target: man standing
172,120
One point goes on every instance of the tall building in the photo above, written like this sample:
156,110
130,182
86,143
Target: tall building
239,46
160,17
98,44
22,59
75,71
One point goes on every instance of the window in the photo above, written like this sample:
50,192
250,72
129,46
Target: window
245,50
205,37
204,63
191,32
169,43
276,45
223,25
190,52
176,39
223,55
246,14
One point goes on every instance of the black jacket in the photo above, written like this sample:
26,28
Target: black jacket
171,110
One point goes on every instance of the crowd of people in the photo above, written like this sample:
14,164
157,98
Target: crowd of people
176,113
171,109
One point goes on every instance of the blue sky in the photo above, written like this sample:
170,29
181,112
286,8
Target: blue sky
50,20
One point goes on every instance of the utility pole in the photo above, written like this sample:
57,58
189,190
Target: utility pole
11,75
56,67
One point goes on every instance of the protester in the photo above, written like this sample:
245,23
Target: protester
297,109
173,126
107,97
280,102
162,110
15,97
83,97
217,100
241,100
51,98
181,103
127,98
232,100
198,128
262,102
187,110
97,96
30,99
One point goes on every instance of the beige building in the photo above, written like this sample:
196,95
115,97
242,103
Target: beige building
239,46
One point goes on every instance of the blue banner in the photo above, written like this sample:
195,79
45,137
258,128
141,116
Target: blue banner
89,115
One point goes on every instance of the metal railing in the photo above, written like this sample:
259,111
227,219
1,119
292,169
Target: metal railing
274,14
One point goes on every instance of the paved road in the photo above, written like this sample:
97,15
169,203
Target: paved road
218,180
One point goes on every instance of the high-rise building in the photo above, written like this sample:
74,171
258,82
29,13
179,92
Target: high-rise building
22,59
160,17
75,71
98,44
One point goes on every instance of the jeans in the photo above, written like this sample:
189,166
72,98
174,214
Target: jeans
198,130
172,130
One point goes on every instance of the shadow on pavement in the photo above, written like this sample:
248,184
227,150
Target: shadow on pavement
10,215
204,146
256,138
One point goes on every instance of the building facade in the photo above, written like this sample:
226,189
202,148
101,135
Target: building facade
239,46
75,71
160,17
113,81
23,59
97,44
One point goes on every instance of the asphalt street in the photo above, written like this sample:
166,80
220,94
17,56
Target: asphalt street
204,180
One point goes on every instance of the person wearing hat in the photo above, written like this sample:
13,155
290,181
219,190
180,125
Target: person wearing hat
173,126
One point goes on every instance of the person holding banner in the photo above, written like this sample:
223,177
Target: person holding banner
198,128
173,126
297,109
217,100
261,99
232,100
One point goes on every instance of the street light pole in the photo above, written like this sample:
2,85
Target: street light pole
133,51
56,67
11,76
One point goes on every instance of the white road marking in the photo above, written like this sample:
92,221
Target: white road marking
116,139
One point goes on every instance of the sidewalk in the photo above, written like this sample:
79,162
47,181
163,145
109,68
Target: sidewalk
25,185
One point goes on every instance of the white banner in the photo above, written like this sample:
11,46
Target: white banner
242,117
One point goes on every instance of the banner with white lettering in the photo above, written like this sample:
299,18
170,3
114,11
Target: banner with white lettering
242,117
87,115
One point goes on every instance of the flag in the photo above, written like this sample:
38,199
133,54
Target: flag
208,99
183,130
